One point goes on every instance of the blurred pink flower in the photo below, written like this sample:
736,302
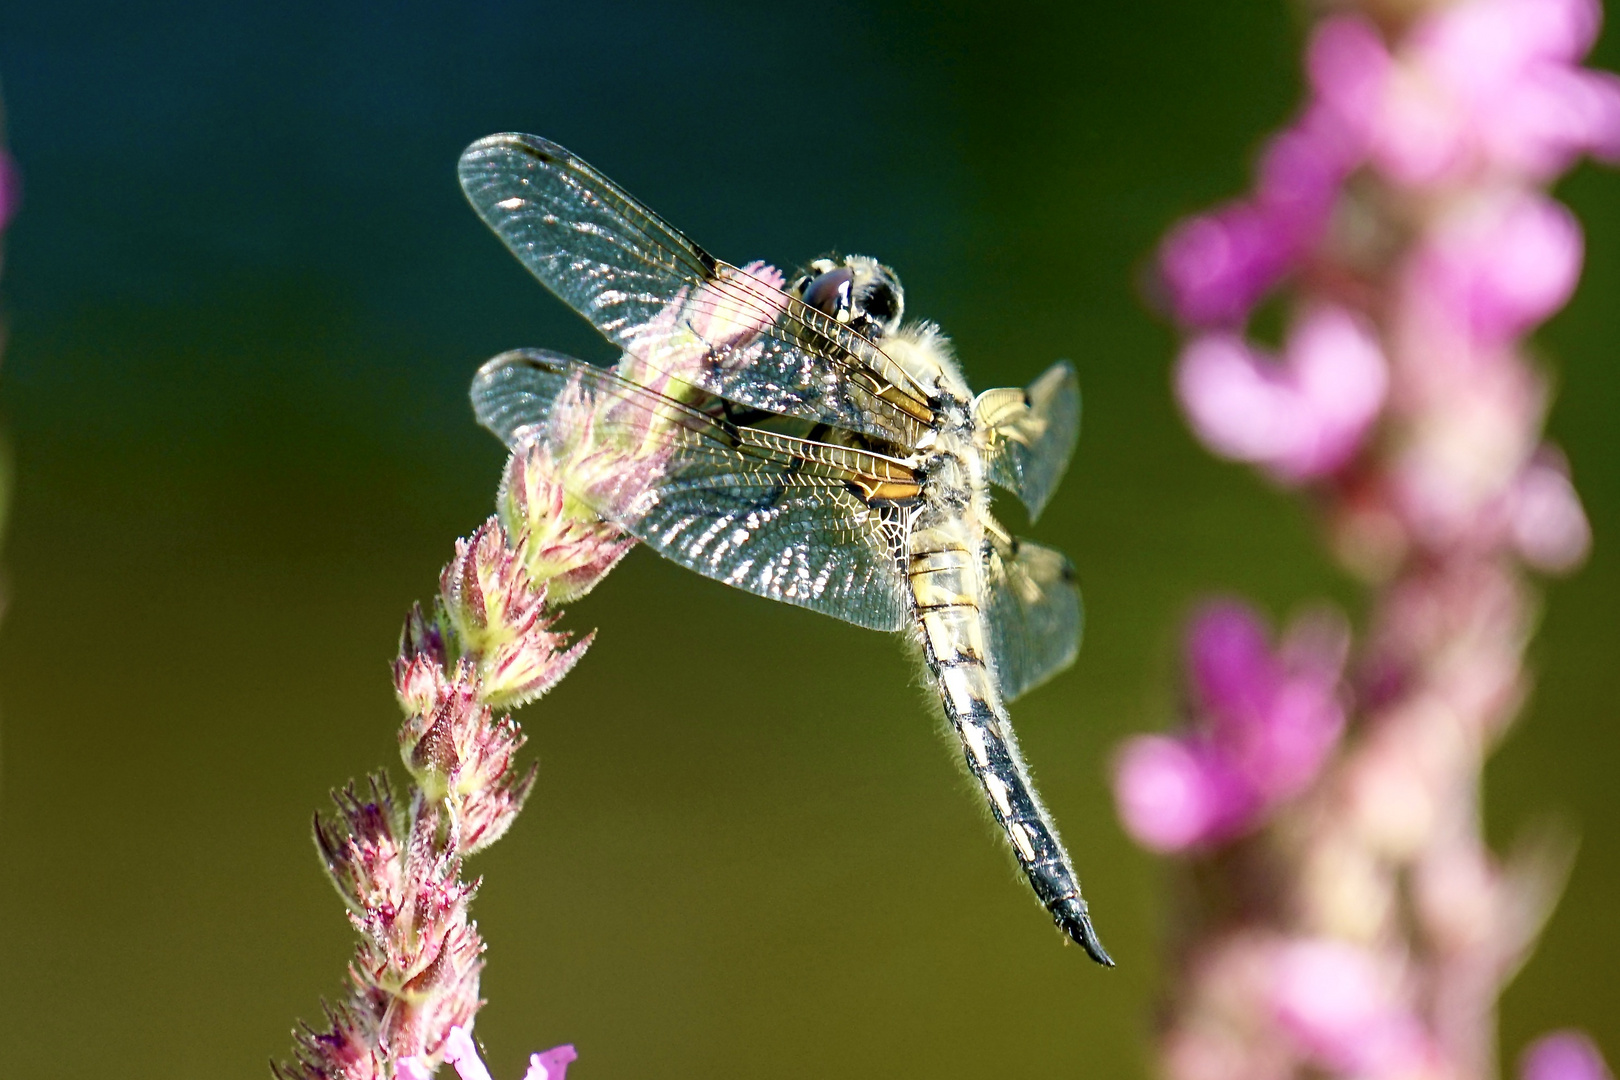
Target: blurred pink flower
1545,518
1299,417
1403,217
1263,722
1345,1007
1475,85
1563,1055
1216,266
1171,796
1495,267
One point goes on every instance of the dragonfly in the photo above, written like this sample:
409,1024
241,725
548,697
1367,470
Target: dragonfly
801,441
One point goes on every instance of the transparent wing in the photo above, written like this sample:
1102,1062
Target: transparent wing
673,306
1031,434
790,519
1033,615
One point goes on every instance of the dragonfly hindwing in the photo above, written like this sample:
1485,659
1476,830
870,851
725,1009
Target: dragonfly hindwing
1030,434
785,518
1033,614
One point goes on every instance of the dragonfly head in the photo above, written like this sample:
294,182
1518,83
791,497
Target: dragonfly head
859,292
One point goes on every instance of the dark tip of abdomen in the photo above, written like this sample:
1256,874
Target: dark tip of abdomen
1071,917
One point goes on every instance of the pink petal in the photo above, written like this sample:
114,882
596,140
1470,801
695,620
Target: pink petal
1600,105
1563,1055
1216,266
1236,400
1348,65
1164,795
1337,1001
1228,659
1550,116
1301,727
1342,379
1420,133
1301,418
1493,39
460,1051
1301,172
414,1068
551,1064
1546,521
1501,267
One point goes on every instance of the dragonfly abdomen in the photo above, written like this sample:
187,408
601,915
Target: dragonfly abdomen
945,583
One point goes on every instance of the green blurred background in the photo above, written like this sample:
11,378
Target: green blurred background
245,298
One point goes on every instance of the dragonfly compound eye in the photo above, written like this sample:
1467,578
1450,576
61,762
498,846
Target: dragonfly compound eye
832,293
858,292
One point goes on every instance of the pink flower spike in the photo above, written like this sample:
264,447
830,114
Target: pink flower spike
1342,379
551,1064
460,1051
1563,1055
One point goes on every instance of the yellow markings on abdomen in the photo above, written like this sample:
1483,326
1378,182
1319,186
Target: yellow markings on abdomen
954,635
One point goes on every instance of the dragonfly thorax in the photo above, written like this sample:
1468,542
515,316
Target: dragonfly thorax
952,479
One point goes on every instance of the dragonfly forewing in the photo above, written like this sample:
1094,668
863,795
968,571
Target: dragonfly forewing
657,294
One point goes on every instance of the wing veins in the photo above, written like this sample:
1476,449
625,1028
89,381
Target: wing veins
634,236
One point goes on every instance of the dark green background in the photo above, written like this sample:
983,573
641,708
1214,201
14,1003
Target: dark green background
245,298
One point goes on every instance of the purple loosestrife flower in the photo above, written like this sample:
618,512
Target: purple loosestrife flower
1349,1010
1262,724
570,551
1344,914
462,1052
1299,417
1487,85
488,645
498,615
